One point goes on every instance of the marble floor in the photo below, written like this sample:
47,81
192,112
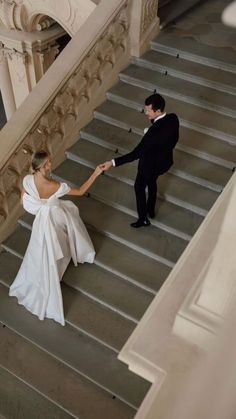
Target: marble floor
204,24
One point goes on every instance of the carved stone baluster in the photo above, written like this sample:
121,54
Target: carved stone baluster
67,110
3,201
19,74
59,126
144,25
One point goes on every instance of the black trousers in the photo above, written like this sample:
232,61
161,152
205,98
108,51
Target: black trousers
145,205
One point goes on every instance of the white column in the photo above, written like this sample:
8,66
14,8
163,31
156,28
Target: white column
18,68
6,86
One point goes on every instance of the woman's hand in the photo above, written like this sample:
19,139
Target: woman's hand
86,185
99,169
106,165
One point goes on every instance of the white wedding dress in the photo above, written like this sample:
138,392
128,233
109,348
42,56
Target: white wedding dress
58,234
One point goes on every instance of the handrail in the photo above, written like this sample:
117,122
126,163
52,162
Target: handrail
63,100
56,77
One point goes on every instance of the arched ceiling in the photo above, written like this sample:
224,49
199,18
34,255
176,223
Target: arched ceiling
26,14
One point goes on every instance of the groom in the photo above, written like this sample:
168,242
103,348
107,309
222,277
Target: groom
155,155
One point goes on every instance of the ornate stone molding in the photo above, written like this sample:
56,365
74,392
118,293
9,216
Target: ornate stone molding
44,22
27,15
13,53
144,25
13,14
149,14
52,129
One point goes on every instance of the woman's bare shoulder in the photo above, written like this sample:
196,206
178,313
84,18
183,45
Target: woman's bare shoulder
54,182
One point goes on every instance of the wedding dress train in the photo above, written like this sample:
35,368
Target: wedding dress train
58,234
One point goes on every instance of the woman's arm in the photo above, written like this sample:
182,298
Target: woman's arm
21,195
86,185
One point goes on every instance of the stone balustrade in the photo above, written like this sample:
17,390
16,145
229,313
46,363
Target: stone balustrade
64,99
185,316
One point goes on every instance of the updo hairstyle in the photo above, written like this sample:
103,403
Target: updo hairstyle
38,160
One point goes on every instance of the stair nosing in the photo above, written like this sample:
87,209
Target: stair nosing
99,385
32,387
90,296
113,97
185,123
182,147
10,250
133,81
177,172
96,262
158,224
126,278
166,197
161,68
139,249
105,304
82,330
157,46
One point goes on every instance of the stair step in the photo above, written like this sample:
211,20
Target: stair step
85,355
171,188
169,10
19,401
186,70
119,194
116,258
193,141
187,166
145,272
73,371
98,284
170,86
190,49
152,241
86,314
192,116
58,382
113,291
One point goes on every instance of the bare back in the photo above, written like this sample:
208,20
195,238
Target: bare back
45,187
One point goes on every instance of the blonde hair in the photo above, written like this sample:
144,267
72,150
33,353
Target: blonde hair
39,159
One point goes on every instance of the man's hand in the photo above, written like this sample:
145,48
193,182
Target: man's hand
106,165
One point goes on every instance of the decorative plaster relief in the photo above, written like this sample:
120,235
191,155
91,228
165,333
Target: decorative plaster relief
51,128
149,13
28,15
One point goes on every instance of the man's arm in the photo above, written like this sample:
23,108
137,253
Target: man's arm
137,152
126,158
145,145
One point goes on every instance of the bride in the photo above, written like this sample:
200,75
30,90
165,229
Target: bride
58,234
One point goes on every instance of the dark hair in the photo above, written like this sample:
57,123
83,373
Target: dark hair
157,102
39,159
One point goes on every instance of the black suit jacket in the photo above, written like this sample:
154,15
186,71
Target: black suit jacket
155,150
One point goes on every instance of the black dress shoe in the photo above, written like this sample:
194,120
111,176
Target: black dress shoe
140,223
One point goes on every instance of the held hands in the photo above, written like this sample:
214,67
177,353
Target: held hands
99,169
102,167
107,165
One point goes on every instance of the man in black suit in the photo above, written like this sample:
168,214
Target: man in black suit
155,155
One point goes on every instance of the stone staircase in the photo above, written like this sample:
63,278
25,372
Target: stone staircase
47,371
